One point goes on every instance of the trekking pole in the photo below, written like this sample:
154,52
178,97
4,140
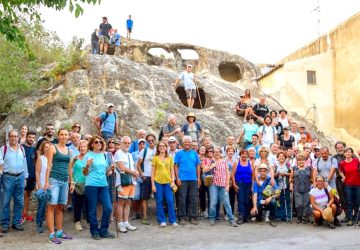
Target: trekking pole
286,212
197,90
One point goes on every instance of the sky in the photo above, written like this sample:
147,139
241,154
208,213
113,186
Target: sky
261,31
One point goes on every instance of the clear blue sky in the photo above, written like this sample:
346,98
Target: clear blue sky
262,31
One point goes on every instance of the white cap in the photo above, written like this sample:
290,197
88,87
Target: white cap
110,105
172,138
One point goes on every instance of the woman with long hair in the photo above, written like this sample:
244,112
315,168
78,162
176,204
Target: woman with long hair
162,181
23,132
203,190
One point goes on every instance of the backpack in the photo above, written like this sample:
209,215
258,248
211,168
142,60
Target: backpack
106,116
264,132
336,202
143,161
114,39
318,160
5,151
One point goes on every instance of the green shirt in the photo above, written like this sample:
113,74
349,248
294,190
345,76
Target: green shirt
78,171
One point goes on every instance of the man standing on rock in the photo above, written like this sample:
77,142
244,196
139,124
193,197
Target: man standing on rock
187,77
107,122
129,27
104,37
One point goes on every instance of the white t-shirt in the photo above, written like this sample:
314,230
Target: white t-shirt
272,159
188,80
268,135
127,160
296,136
43,170
150,153
321,199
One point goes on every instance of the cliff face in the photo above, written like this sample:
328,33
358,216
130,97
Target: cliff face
143,94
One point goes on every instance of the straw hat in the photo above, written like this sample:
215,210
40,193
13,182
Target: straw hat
327,214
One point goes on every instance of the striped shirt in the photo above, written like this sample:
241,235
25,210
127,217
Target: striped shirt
219,173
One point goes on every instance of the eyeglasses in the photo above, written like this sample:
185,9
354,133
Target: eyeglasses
250,118
98,142
111,142
76,126
126,142
210,151
151,140
13,136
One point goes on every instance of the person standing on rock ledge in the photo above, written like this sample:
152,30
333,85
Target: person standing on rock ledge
187,77
129,27
104,37
107,122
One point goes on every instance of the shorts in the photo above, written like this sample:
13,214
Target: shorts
58,192
30,184
190,93
240,112
129,29
137,192
127,192
104,39
146,189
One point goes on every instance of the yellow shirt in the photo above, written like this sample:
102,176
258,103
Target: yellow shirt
162,169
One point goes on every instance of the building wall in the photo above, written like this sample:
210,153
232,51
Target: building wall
337,94
289,85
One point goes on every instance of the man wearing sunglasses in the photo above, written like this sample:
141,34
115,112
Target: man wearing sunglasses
49,136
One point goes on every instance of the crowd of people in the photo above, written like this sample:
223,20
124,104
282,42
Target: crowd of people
274,170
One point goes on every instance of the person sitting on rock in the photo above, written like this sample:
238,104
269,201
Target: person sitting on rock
187,77
249,128
261,110
104,37
242,109
247,97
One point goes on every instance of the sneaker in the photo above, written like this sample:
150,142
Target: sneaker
55,240
273,223
163,224
145,222
122,229
96,237
28,217
346,219
240,221
226,218
182,222
174,224
350,223
22,220
130,228
267,213
107,235
205,214
233,224
337,222
64,236
5,229
78,226
17,227
267,220
212,222
193,221
39,228
304,220
331,225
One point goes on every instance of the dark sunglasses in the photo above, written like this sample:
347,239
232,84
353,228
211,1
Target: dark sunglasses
111,142
76,126
97,142
210,151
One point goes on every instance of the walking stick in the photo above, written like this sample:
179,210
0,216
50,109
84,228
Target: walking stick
283,188
197,90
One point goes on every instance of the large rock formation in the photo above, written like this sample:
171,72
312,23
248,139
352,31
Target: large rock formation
143,94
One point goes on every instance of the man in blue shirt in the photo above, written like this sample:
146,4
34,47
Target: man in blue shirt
13,168
116,39
30,153
187,173
129,27
107,122
262,202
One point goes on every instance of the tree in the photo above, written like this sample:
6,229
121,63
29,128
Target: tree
11,12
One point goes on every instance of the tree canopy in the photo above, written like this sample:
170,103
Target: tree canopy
11,11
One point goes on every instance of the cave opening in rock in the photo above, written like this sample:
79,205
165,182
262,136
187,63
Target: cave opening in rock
180,90
229,71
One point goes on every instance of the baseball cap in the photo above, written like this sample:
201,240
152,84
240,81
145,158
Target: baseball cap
286,127
189,65
302,126
110,105
141,140
172,138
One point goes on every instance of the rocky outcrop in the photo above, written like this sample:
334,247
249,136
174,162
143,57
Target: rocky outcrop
143,94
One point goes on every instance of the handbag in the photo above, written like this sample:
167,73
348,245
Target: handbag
80,188
126,179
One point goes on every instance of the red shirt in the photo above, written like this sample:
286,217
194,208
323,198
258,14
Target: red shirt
220,174
351,172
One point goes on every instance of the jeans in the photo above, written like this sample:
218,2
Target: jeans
164,191
42,197
188,194
219,193
284,211
269,207
352,194
94,196
302,204
13,189
106,135
94,47
244,200
80,202
203,192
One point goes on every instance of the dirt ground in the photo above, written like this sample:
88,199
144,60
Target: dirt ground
202,236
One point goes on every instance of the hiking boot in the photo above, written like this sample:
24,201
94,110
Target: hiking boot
337,222
17,227
240,221
78,226
96,237
331,225
182,222
299,220
273,223
107,235
304,220
193,221
350,223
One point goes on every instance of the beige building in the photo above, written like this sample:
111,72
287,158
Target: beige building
323,74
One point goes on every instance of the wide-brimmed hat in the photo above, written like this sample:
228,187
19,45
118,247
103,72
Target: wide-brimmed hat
191,114
263,166
327,214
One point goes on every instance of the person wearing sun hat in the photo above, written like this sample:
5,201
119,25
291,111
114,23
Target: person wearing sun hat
193,128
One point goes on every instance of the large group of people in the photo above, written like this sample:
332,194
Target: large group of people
273,170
